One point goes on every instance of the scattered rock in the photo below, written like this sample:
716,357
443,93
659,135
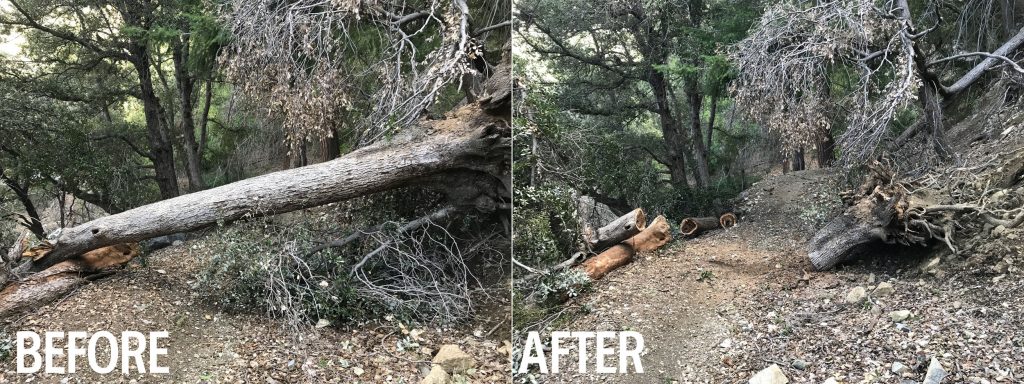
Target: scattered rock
856,295
453,359
830,381
770,375
930,264
935,373
884,289
437,375
323,323
871,278
800,364
358,371
957,305
727,343
899,369
999,230
899,316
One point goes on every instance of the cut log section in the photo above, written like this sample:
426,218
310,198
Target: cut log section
625,227
694,226
653,237
727,220
53,283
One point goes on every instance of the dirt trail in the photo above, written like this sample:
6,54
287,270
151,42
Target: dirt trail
725,305
210,346
682,298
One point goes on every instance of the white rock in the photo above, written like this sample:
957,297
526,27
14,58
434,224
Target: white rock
856,295
898,316
935,373
770,375
884,289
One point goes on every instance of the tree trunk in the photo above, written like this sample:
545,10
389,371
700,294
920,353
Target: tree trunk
204,121
700,152
186,87
622,228
31,219
330,148
651,238
161,153
466,154
675,140
826,150
694,226
798,160
727,220
711,119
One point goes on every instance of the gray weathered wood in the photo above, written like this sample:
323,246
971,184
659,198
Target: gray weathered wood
617,231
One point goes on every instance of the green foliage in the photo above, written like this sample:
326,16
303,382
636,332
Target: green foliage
257,265
546,229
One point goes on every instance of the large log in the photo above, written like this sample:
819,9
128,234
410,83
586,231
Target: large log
53,283
620,229
466,154
653,237
727,220
693,226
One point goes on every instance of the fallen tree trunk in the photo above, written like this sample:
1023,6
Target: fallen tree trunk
694,226
653,237
885,209
465,154
53,283
620,229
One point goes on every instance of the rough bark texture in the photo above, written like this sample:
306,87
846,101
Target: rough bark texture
839,240
693,226
651,238
625,227
186,88
161,153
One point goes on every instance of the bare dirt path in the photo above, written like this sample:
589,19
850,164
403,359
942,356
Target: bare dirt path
723,306
210,346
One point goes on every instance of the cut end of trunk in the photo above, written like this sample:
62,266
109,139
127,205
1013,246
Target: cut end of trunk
693,226
640,221
727,220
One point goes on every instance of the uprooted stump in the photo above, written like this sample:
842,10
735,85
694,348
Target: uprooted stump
60,279
886,209
652,237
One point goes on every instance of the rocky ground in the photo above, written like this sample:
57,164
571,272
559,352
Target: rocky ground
208,345
731,303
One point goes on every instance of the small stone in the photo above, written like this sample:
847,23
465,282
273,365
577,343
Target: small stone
935,373
176,243
357,371
899,316
830,381
898,368
856,295
727,343
437,375
931,264
453,359
998,278
770,375
800,364
323,323
998,230
884,289
957,305
871,278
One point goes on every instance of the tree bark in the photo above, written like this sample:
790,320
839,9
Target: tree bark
675,140
826,148
711,119
798,160
330,148
622,228
700,152
31,219
161,153
186,87
694,226
449,152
